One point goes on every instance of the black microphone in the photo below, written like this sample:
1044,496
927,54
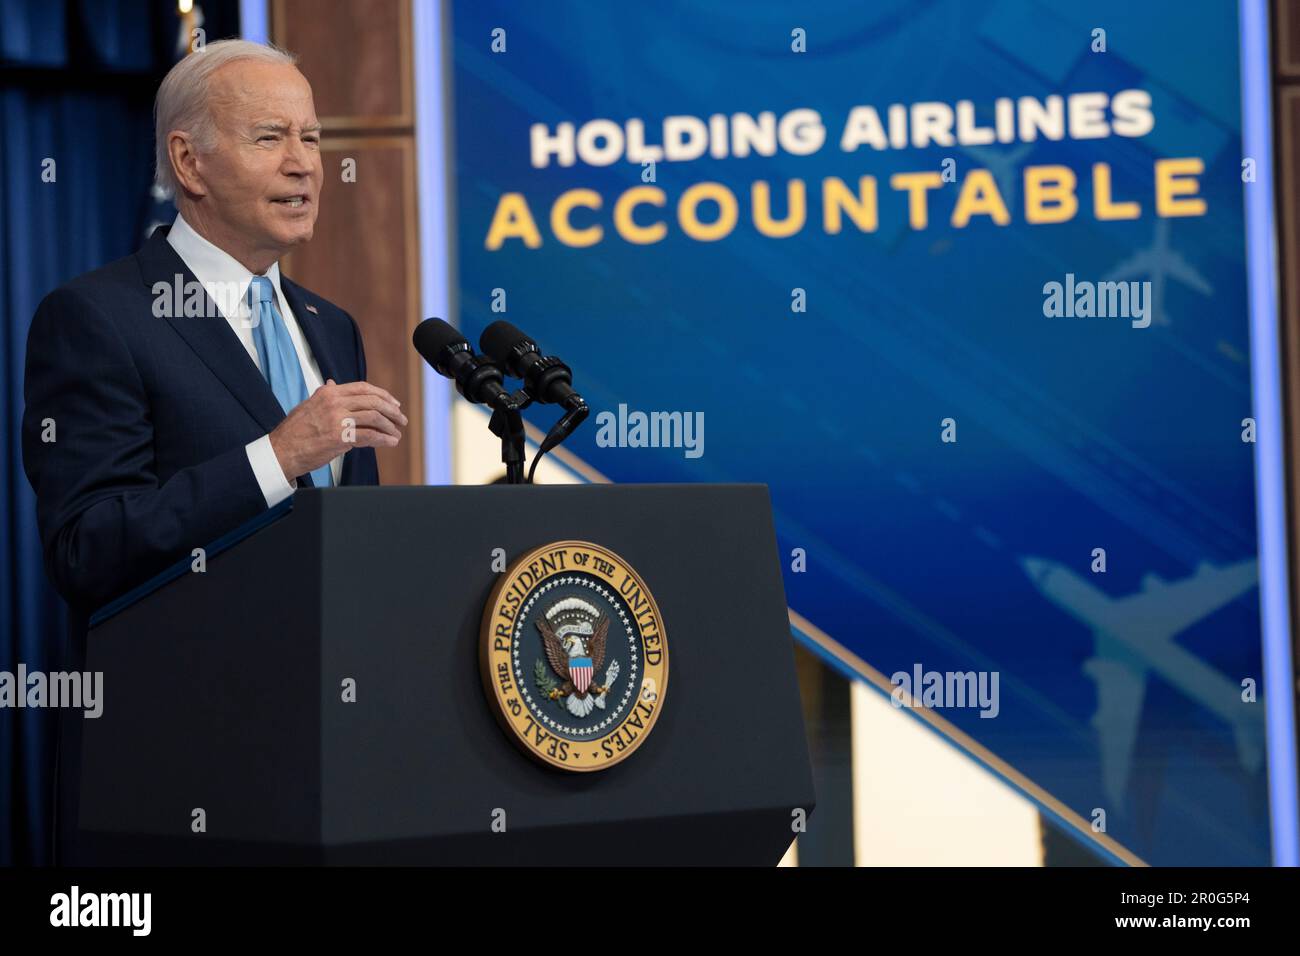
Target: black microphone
547,379
477,378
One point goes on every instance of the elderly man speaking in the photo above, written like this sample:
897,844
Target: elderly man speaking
175,394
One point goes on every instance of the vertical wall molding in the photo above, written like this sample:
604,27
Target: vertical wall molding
365,255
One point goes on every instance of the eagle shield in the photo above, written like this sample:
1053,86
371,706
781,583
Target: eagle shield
580,671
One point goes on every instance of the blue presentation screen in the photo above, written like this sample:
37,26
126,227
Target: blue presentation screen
964,284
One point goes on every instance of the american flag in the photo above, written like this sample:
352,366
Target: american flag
580,670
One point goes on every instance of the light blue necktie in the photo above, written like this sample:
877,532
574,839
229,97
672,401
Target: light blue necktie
278,357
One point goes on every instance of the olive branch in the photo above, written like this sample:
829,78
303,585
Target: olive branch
545,683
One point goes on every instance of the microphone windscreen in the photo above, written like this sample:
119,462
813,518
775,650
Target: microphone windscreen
432,336
499,339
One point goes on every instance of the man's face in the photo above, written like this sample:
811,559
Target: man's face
263,174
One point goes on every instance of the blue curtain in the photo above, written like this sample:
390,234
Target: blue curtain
77,81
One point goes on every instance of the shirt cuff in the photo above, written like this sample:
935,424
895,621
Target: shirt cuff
266,468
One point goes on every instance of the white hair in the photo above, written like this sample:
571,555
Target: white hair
182,100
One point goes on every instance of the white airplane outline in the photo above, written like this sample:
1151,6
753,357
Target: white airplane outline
1158,262
1004,164
1134,636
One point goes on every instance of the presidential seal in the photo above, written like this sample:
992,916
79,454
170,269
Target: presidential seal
574,657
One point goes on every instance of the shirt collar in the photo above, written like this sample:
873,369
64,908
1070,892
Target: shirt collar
223,276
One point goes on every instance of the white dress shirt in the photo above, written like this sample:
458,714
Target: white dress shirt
227,282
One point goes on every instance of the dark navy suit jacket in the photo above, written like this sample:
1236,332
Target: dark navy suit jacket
150,416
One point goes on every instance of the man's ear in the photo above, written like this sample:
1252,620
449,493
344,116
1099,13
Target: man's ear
185,162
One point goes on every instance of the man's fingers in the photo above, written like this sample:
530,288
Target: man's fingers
390,411
369,438
375,421
363,388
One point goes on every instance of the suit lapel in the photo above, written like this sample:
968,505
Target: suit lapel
307,315
309,322
209,334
